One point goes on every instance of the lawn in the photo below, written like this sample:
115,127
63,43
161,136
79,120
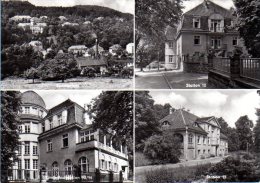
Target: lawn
141,160
72,83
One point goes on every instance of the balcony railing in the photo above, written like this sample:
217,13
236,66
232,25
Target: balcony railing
217,29
222,65
250,68
99,145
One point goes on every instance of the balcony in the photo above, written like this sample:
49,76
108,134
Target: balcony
95,144
217,29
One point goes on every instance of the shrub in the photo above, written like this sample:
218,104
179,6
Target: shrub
234,169
88,71
163,148
248,157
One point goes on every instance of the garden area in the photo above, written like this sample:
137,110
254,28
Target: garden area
238,167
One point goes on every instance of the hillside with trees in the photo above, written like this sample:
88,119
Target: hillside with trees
91,25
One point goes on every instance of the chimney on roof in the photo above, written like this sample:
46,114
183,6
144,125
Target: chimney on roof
206,3
87,120
170,110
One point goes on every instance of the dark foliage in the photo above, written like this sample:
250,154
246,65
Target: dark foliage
234,169
10,106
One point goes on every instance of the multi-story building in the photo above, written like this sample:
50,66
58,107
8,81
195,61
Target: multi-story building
68,141
200,137
33,111
207,27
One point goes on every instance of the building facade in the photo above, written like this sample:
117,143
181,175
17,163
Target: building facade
33,111
207,27
68,141
200,137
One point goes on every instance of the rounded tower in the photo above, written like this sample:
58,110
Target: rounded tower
33,110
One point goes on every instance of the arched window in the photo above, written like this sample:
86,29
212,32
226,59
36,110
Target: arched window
84,165
110,165
55,169
190,138
68,167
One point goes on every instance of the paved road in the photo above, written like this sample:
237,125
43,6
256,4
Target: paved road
140,171
175,80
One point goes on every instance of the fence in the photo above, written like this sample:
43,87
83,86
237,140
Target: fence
57,176
250,68
222,64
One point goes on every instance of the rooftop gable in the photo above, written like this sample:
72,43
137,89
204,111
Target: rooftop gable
208,8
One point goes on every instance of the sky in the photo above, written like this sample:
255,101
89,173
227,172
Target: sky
219,103
54,97
189,4
126,6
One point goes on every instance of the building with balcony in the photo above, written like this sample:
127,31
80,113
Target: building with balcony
199,137
68,140
33,110
207,27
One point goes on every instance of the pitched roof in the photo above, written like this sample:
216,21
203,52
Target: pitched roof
207,8
88,61
179,119
222,136
57,108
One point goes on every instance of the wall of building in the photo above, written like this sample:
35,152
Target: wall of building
58,153
188,46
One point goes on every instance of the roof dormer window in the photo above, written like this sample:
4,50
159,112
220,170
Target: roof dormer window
165,123
196,22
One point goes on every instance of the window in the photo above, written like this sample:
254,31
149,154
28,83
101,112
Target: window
234,41
165,123
19,164
115,167
196,23
35,164
215,26
209,151
27,128
49,145
87,136
41,113
83,164
43,127
198,140
27,110
204,140
27,164
171,44
208,141
35,150
35,110
68,167
216,43
197,40
20,129
60,119
55,169
19,149
51,124
170,58
65,140
204,151
190,139
110,165
198,151
26,148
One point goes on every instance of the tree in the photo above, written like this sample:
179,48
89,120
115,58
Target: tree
146,122
248,12
61,67
244,130
163,148
152,17
10,101
32,73
112,112
257,132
